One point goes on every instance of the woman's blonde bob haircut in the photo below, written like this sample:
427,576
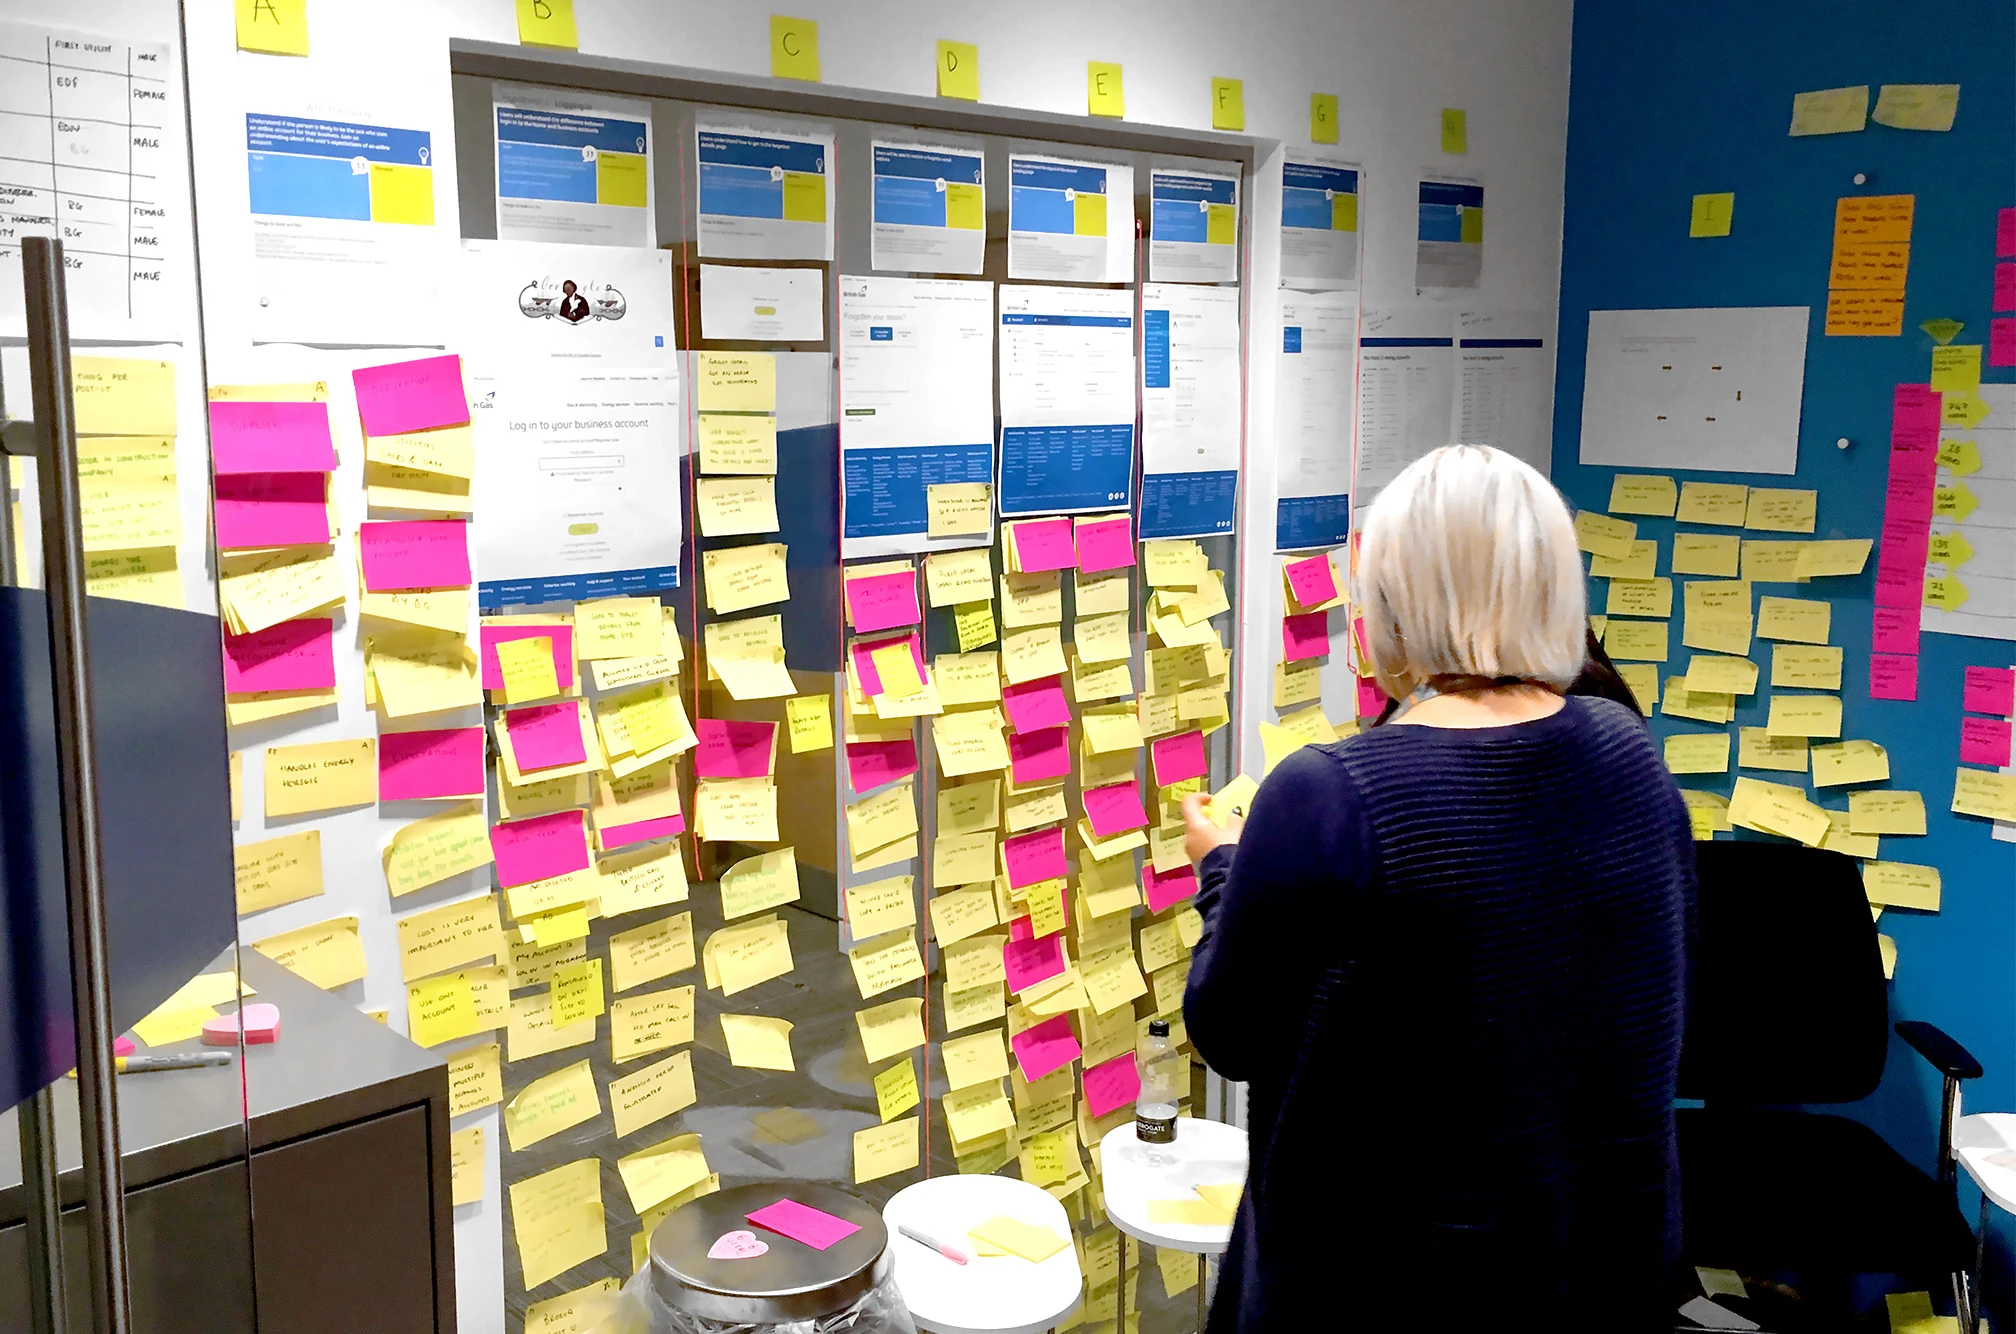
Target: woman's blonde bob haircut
1469,566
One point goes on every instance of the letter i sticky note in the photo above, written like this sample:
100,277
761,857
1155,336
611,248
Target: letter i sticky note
1711,215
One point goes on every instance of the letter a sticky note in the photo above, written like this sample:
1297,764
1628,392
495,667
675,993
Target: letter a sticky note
548,23
1103,93
959,71
794,48
274,27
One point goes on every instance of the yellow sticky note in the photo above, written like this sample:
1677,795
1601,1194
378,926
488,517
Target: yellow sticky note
958,509
1103,93
547,1106
615,628
1604,536
1756,748
527,667
1641,493
1806,668
653,1093
1834,557
280,870
1636,641
1693,753
1830,111
1776,510
652,1176
794,48
1886,811
1322,118
1902,885
558,1221
123,396
1917,106
1715,674
274,27
548,23
959,71
881,1151
465,1165
321,777
896,1089
758,1042
328,954
1985,793
738,382
1956,366
430,850
1850,762
1192,1213
811,720
1721,503
1030,1241
1711,215
1455,130
1228,104
1805,715
1234,799
1717,554
732,506
1802,620
577,992
888,1029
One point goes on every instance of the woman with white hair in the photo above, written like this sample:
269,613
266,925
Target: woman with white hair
1448,956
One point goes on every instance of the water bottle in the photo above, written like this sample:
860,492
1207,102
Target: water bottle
1162,1076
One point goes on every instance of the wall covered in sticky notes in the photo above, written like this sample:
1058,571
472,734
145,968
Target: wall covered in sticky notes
1846,640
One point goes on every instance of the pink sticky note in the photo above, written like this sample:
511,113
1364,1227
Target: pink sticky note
729,749
1035,855
1313,581
539,848
1178,758
1989,690
1112,1084
883,601
1900,589
1305,636
1915,405
1038,757
1893,676
863,651
614,836
2005,287
1895,630
870,764
411,395
1371,697
1028,962
801,1222
1044,1047
737,1245
1984,741
271,437
272,509
546,735
1162,888
256,1023
416,553
2005,232
1037,704
1104,544
293,655
445,762
1114,809
1908,499
2002,342
490,636
1044,544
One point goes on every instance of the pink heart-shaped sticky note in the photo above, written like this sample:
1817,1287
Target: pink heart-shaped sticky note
262,1024
737,1246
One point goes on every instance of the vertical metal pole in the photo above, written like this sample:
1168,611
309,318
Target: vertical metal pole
36,1116
76,769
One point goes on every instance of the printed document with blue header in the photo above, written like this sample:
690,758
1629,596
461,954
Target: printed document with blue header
1319,224
1190,409
1449,250
1315,419
1505,385
1070,221
342,195
930,208
1406,388
916,406
572,167
1193,226
1067,400
766,189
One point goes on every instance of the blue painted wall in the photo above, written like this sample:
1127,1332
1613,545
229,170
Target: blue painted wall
1668,100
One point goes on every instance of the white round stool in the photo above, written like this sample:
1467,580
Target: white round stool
1207,1153
991,1294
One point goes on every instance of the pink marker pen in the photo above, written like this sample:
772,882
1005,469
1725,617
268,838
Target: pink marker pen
952,1253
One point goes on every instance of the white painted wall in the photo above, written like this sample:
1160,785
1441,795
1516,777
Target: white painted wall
1393,64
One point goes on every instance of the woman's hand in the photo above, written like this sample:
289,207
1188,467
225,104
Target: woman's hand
1199,834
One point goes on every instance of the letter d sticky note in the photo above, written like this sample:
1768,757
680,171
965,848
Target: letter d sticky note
959,71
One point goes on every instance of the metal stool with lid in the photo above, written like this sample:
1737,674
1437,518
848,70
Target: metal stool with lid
791,1284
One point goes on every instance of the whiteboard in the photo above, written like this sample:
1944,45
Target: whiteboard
1713,390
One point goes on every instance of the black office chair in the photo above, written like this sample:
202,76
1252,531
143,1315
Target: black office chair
1789,1006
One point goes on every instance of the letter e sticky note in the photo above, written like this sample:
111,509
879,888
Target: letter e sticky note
1103,93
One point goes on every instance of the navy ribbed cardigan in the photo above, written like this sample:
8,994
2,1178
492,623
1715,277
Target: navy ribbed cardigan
1450,966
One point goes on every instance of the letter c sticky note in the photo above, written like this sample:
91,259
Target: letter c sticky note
794,48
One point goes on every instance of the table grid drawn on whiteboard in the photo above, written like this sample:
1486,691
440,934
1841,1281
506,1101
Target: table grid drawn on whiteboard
82,121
